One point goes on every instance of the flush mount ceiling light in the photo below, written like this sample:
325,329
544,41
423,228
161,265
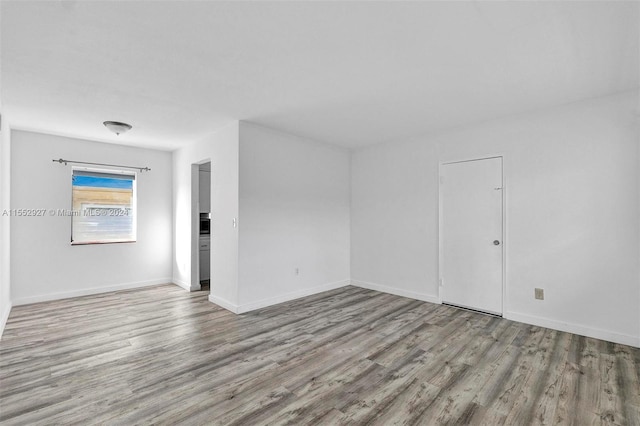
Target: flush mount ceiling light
117,127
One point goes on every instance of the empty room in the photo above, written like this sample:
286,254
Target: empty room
319,213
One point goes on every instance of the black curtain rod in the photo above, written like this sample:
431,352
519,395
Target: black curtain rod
61,161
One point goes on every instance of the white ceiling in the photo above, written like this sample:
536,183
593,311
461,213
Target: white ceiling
347,73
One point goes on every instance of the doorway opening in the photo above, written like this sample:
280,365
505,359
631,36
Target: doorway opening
201,226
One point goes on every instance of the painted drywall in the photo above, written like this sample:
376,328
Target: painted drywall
44,264
5,222
572,207
394,220
294,208
221,148
350,72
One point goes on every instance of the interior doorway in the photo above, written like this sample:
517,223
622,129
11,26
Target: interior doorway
204,242
471,234
201,226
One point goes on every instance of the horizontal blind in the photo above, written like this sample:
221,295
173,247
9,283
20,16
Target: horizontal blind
123,175
103,207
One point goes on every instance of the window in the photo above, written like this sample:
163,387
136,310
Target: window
104,207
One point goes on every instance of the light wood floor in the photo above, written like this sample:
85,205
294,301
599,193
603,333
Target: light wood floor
351,356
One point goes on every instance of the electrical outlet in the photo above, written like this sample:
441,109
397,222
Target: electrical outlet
539,293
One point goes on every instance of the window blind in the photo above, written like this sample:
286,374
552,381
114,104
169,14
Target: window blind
104,207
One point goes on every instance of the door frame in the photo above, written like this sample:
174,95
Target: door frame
505,245
194,284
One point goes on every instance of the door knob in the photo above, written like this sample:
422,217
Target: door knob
496,242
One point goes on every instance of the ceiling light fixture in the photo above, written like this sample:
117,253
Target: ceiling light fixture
117,127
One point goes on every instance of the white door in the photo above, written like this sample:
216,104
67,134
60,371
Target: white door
471,234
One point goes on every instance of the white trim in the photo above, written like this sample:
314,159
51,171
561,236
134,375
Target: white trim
185,286
223,303
505,237
252,306
134,205
398,292
181,283
469,159
4,318
440,257
581,330
88,291
195,226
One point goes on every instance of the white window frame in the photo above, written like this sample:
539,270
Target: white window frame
134,203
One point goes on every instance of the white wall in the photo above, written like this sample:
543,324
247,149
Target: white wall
394,219
5,223
294,208
221,148
572,209
44,264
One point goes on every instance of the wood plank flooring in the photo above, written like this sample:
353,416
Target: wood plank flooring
160,355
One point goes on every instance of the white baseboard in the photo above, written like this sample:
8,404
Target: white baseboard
514,316
398,292
259,304
252,306
223,303
185,286
574,328
88,291
4,316
182,284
